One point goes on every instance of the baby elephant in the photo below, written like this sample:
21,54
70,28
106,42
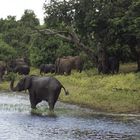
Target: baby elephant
46,68
40,88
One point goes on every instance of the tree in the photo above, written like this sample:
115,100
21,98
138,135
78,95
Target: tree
29,19
131,34
112,23
6,52
59,14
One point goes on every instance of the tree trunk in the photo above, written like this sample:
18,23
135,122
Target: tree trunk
138,61
103,65
136,51
12,86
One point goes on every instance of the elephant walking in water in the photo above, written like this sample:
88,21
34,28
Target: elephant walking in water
40,88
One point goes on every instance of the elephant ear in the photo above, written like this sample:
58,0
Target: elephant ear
27,82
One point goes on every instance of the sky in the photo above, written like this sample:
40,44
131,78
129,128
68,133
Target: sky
17,8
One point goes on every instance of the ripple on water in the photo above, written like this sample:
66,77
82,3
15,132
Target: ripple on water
70,123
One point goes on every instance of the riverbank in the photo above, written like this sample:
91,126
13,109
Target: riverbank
118,93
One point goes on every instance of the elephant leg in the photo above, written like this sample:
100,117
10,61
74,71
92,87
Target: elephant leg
33,101
37,101
53,100
51,105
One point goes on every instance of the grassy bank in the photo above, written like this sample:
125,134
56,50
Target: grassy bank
111,93
118,93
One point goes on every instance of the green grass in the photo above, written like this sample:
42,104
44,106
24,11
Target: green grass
118,93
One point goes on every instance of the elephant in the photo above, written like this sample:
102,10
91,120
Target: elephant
63,66
22,69
18,66
40,88
16,62
67,63
76,62
46,68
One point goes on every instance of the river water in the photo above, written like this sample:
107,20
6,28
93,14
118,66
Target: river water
69,122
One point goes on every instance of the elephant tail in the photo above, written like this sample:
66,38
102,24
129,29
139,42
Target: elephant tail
66,91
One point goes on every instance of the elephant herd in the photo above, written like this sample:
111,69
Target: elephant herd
42,87
45,87
19,66
63,65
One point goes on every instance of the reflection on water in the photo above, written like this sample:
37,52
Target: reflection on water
70,123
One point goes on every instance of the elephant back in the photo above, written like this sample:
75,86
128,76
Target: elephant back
16,62
64,66
77,63
69,62
22,69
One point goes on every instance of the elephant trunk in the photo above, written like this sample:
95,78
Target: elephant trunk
12,86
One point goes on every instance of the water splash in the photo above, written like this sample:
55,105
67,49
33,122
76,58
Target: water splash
69,122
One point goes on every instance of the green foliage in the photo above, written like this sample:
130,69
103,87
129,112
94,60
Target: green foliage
8,23
29,19
17,34
65,50
10,76
6,51
43,50
115,24
59,14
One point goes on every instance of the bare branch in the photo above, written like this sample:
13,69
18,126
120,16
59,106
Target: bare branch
70,37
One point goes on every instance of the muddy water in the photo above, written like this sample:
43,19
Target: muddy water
69,122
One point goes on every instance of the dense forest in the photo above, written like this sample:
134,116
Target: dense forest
74,27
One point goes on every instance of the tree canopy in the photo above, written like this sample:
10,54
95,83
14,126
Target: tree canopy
91,24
